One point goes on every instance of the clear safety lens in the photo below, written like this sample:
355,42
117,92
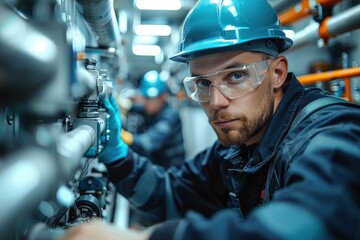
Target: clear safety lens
232,83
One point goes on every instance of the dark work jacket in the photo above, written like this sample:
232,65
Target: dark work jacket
298,184
162,138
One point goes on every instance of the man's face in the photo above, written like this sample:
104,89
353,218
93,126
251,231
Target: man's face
240,120
154,105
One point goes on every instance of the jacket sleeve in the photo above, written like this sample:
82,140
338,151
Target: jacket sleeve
167,194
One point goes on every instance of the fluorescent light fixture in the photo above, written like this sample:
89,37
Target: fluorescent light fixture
158,4
145,39
123,21
289,33
146,50
153,30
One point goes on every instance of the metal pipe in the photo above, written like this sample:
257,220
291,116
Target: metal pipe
343,22
281,6
72,147
30,175
99,15
346,21
85,84
25,52
27,177
308,34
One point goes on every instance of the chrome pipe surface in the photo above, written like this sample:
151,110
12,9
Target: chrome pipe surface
99,15
27,56
343,22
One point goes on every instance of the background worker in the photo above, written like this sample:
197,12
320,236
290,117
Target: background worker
266,177
161,137
134,118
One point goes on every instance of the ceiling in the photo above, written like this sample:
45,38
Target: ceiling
138,65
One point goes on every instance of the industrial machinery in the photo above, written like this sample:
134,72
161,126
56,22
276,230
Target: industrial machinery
58,61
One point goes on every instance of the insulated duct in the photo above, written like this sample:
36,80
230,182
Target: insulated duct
99,16
283,5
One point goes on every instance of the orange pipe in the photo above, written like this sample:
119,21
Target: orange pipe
330,75
324,31
347,91
294,14
328,3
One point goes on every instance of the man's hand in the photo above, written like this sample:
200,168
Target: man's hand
115,148
97,230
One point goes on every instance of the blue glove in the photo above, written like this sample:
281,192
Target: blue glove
115,148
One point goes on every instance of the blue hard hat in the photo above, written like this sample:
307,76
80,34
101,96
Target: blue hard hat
221,25
152,85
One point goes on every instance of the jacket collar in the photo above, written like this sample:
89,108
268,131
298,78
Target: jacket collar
276,130
279,124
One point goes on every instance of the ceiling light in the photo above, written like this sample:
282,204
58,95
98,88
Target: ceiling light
153,30
158,4
289,33
146,50
123,21
146,39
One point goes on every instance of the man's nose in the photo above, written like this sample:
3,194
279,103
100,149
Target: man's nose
217,99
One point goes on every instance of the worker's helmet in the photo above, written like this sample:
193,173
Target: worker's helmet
220,25
152,85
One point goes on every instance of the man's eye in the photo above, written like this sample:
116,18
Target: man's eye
236,77
203,83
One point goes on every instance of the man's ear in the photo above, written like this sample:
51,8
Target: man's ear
280,71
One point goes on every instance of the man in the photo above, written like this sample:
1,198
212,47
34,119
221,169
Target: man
266,177
161,139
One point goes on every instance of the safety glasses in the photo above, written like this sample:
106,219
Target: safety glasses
232,82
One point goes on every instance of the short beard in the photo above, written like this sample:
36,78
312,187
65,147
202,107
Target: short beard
249,128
